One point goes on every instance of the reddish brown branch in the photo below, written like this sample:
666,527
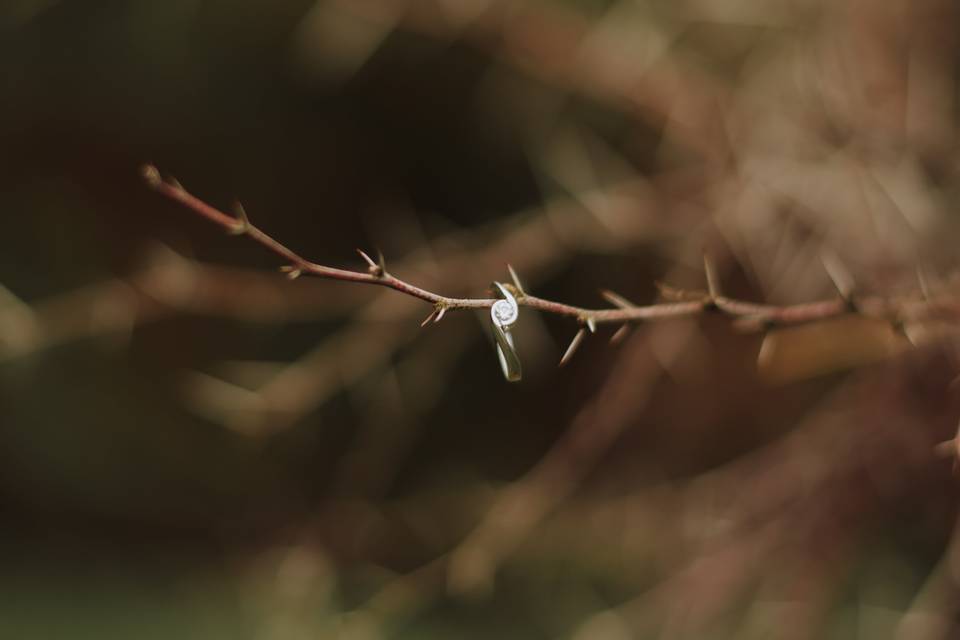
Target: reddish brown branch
759,314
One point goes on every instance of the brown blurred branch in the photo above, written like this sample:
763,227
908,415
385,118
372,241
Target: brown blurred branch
575,53
167,284
520,507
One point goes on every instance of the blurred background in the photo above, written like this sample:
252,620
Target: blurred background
192,446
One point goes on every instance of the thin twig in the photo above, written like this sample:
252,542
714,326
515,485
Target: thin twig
761,314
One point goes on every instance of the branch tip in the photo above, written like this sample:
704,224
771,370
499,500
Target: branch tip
151,175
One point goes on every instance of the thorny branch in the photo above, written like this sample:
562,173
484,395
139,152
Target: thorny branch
897,311
734,560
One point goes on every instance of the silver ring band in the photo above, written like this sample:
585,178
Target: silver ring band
504,314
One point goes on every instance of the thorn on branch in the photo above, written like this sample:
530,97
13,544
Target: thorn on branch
620,334
292,272
426,321
591,324
516,280
840,276
616,299
441,309
574,345
673,294
370,263
243,222
376,269
713,280
923,282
